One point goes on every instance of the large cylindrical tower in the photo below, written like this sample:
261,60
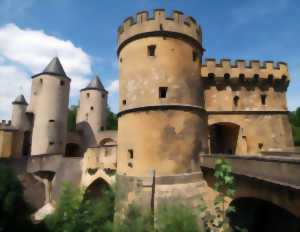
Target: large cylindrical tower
92,112
162,123
49,104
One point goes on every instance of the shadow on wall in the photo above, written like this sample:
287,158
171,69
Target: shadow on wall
258,215
87,136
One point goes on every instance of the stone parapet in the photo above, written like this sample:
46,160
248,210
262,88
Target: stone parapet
5,125
160,25
225,71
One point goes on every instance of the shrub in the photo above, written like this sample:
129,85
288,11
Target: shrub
14,210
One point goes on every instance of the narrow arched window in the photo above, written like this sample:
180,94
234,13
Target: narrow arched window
263,99
236,100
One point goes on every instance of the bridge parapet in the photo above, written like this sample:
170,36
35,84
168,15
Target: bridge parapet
278,170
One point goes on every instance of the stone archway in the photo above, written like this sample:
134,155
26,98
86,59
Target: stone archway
255,214
223,137
96,188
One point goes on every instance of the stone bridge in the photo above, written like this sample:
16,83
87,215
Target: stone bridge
267,190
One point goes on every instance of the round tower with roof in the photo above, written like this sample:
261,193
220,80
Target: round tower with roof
92,112
18,112
49,104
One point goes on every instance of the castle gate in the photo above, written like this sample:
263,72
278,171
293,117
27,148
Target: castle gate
223,137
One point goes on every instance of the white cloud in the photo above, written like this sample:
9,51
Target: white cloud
13,81
113,87
28,52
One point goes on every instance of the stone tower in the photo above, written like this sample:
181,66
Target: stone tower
92,112
20,123
162,125
18,112
49,104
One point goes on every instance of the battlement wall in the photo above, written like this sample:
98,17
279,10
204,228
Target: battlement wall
240,71
159,25
4,125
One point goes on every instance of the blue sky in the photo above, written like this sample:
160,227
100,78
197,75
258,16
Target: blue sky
84,36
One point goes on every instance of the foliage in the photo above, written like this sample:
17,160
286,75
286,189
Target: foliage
135,220
74,213
14,211
217,219
112,120
173,217
294,118
72,118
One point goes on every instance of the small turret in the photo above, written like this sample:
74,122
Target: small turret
92,112
18,113
49,103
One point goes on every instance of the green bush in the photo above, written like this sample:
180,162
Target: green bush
173,217
294,118
74,213
14,210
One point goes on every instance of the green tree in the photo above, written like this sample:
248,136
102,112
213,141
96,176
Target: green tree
72,118
14,210
217,219
112,120
294,118
74,213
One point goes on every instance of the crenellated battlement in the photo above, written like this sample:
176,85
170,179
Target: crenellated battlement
5,125
225,70
160,24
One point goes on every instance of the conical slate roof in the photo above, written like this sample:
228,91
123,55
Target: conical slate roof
95,83
20,100
53,68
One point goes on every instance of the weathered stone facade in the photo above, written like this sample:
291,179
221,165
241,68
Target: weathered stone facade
173,108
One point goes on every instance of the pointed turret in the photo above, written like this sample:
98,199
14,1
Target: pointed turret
20,100
54,68
96,84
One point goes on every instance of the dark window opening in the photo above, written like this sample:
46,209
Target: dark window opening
163,92
87,95
130,151
41,81
226,76
256,76
270,77
51,120
62,83
102,128
124,102
51,143
130,165
260,145
283,77
121,60
236,100
263,99
242,76
211,75
151,50
103,96
92,108
194,56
